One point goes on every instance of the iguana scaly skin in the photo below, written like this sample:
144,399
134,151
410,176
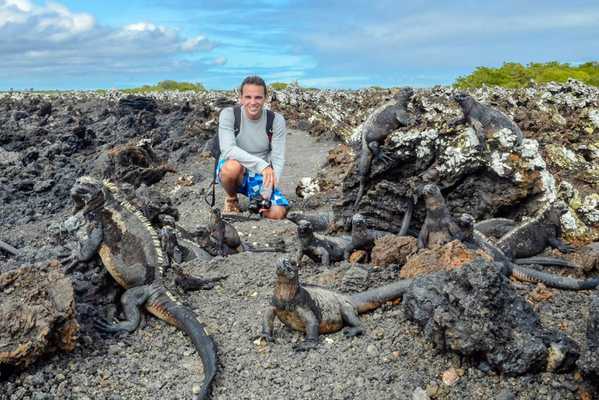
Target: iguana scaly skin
131,252
495,227
315,310
484,119
384,120
480,241
533,236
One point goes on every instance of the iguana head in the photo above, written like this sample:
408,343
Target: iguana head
304,228
466,223
358,222
556,210
432,196
287,268
87,193
404,94
215,215
463,99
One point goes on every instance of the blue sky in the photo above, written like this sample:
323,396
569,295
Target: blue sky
68,44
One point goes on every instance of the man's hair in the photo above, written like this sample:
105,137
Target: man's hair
253,80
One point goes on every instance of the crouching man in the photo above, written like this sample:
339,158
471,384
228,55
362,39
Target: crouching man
252,143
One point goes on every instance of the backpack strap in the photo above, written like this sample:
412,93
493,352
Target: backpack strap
270,118
237,122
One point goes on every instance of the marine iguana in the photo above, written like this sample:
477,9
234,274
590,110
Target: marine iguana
223,232
480,241
533,236
484,119
319,249
321,222
226,237
315,310
384,120
131,252
362,238
439,227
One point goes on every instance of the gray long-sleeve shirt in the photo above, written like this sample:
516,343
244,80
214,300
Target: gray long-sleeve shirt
250,147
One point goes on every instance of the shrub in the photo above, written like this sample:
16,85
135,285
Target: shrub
514,75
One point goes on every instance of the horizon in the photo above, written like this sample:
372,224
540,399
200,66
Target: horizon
70,45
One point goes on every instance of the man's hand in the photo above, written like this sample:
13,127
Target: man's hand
268,177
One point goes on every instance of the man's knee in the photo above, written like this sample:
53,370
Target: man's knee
231,170
275,212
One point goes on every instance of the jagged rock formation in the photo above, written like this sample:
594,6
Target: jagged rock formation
37,315
473,311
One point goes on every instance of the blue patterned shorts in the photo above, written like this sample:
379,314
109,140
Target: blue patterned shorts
251,185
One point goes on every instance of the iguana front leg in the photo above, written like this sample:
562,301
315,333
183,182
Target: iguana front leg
268,323
87,248
457,121
325,257
300,255
560,245
131,300
480,134
348,250
348,313
423,237
312,330
375,148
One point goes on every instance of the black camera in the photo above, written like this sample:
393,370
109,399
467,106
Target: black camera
258,203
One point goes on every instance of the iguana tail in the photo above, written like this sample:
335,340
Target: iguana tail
170,310
407,218
374,298
555,261
555,281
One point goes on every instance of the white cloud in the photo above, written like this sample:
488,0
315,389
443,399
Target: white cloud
51,37
219,61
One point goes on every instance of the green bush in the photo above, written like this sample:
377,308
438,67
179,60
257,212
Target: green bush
514,75
279,85
168,85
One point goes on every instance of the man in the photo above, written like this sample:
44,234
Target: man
249,163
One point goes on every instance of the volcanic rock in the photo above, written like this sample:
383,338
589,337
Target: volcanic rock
37,314
391,249
474,312
445,258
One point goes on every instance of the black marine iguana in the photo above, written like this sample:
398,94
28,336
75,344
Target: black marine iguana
362,238
384,120
484,119
227,238
131,252
319,249
321,222
438,227
315,310
533,236
480,241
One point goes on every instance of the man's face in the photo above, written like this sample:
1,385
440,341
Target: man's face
252,99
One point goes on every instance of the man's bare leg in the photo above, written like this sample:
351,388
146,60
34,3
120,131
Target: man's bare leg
231,177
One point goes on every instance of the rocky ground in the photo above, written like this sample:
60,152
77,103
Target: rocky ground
42,153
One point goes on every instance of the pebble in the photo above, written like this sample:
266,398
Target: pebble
420,394
505,394
372,350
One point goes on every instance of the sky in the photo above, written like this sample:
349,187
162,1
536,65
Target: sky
73,44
